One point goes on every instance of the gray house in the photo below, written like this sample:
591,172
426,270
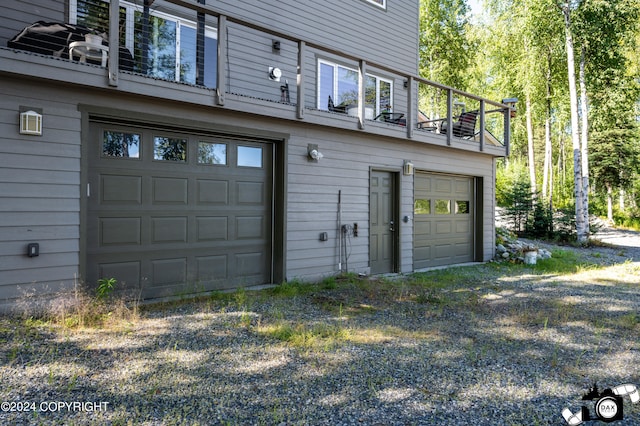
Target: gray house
232,143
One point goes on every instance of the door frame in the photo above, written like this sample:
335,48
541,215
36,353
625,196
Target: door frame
395,214
278,181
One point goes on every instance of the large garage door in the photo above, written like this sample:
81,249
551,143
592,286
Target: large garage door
443,220
172,213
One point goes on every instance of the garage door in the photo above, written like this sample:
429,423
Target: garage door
443,220
171,213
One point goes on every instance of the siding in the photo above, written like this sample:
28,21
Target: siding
250,55
39,193
17,14
348,158
351,26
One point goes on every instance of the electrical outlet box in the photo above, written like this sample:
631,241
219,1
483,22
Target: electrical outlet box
324,236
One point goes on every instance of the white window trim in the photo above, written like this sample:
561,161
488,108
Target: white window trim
131,8
321,105
375,3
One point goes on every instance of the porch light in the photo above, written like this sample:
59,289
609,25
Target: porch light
30,123
313,154
407,168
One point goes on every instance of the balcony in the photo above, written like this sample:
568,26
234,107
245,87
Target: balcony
193,53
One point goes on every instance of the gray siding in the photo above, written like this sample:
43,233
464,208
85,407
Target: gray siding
351,26
40,184
250,56
39,189
17,14
348,157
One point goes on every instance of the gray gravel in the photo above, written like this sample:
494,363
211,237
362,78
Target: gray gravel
498,345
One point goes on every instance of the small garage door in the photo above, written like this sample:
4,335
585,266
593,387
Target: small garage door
443,220
172,212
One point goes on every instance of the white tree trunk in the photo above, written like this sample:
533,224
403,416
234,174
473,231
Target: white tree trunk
547,174
532,163
581,230
585,142
609,203
621,201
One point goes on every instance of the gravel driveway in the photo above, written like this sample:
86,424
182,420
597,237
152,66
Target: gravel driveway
482,345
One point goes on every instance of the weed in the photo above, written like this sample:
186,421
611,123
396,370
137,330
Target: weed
105,288
319,336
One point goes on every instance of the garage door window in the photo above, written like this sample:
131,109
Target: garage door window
120,144
249,156
462,207
443,206
212,153
422,207
169,149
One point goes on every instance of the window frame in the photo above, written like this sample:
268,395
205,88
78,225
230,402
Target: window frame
129,30
379,3
378,108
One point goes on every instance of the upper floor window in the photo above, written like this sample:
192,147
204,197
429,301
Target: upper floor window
338,90
381,3
162,45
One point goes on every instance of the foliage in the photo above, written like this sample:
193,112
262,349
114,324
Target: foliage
519,204
521,52
444,46
105,288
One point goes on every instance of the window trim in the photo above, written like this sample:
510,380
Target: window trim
129,30
321,105
376,3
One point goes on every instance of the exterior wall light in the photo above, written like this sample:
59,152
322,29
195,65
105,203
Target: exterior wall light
275,73
313,153
30,122
407,168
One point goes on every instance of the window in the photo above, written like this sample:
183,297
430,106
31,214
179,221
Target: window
422,206
212,153
249,156
443,206
341,84
169,41
169,149
381,3
462,207
120,144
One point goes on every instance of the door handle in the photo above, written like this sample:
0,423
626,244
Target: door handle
391,226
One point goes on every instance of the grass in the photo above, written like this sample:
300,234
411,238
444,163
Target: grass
466,316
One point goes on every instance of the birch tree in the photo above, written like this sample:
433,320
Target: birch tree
582,226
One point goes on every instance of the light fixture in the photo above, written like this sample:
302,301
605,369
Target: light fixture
407,168
30,122
405,84
313,153
275,73
275,45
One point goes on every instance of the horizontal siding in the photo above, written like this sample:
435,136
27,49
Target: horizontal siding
250,56
17,14
40,182
39,192
351,26
348,158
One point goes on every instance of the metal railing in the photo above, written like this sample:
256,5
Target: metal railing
205,57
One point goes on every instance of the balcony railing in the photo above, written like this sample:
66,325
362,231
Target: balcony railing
194,44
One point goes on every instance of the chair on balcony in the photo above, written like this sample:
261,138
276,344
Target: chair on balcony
392,117
342,108
464,127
